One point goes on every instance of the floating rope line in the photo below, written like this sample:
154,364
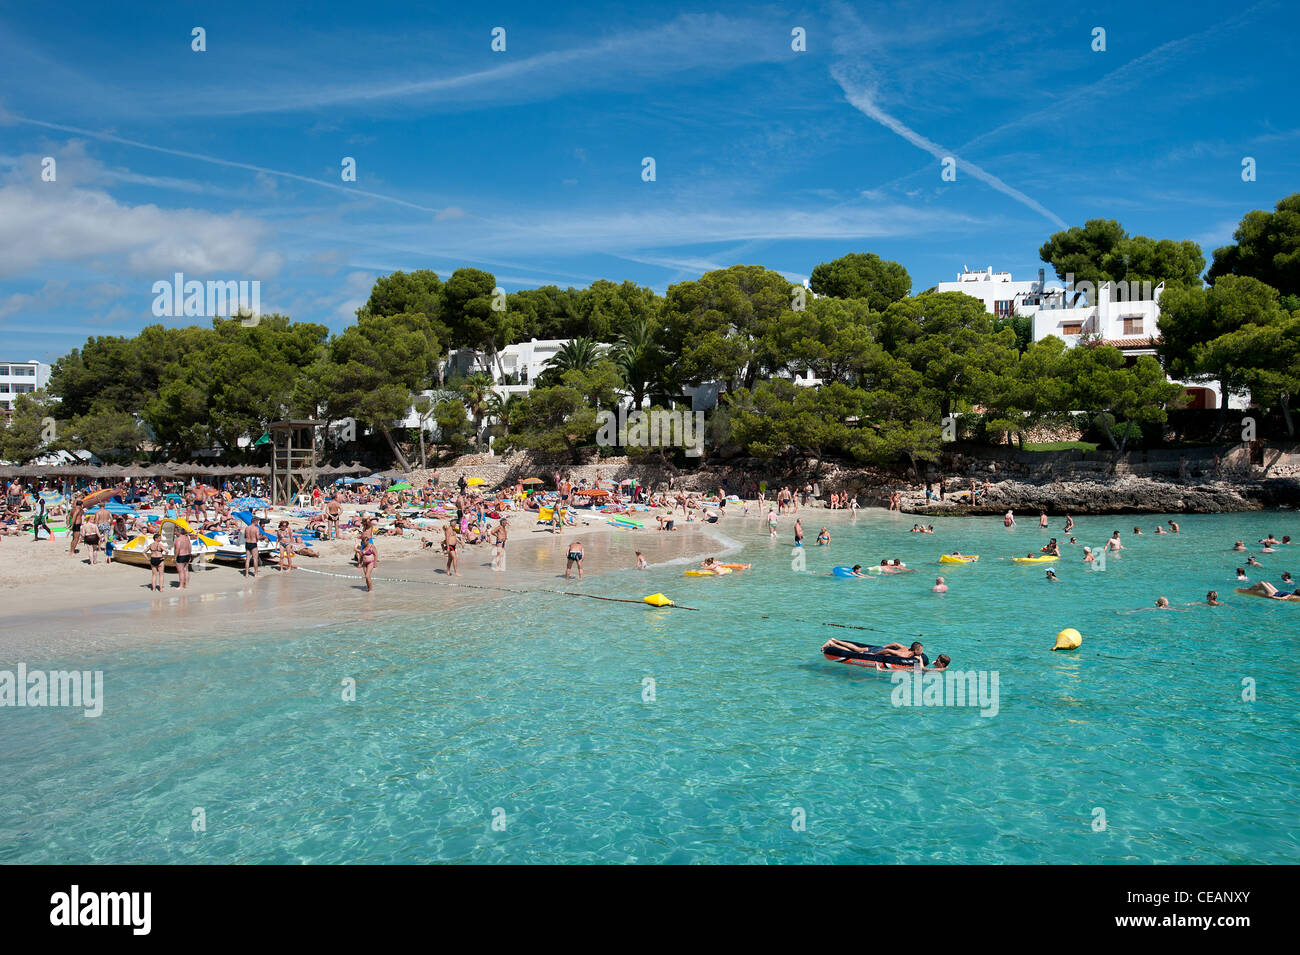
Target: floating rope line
622,600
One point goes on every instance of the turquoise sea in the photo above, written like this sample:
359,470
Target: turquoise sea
524,729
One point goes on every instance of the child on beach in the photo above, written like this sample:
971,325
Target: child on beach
640,562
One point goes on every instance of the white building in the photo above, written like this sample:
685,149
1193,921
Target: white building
20,377
1001,296
1124,315
522,363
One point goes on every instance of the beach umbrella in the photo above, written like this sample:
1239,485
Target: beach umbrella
532,481
249,503
401,486
474,482
592,492
99,497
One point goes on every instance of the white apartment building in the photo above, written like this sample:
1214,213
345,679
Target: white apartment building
1000,294
20,377
1122,315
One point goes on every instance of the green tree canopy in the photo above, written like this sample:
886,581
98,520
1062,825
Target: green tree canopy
1267,248
862,275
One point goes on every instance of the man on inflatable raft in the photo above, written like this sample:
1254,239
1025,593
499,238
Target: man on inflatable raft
891,656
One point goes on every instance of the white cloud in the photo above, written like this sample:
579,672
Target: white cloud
41,223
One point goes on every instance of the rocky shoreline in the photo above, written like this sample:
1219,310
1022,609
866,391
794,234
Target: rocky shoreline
1086,493
1126,494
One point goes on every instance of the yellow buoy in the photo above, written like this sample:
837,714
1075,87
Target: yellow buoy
1068,639
658,600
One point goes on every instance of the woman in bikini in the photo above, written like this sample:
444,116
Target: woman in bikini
156,550
369,557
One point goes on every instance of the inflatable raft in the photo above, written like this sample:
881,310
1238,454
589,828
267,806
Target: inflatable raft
1046,559
963,559
869,656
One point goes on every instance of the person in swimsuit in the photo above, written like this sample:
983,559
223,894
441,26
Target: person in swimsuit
823,537
574,559
91,538
156,550
1069,523
499,546
184,551
857,571
252,533
798,532
1042,520
369,557
450,540
1265,589
284,538
640,561
939,586
771,523
1173,527
332,512
1212,598
1240,545
1051,575
941,663
75,517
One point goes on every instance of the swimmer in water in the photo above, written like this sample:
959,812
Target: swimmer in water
1009,519
1162,603
1173,527
1051,575
1138,530
941,663
1241,574
823,537
1069,523
1088,557
1113,544
1212,598
1239,546
1074,540
857,571
939,586
1252,562
1042,520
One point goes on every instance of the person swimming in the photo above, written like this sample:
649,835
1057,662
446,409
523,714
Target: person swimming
1051,575
1212,598
1241,574
939,586
1252,562
1162,603
857,571
1239,546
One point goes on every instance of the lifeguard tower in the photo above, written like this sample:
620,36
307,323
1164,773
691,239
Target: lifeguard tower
293,458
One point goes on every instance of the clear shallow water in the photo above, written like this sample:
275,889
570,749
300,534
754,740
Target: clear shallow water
533,708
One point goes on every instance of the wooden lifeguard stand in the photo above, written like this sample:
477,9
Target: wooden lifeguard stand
293,458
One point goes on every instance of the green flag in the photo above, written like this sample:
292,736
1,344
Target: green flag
264,439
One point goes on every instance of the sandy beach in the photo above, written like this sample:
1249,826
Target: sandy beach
60,602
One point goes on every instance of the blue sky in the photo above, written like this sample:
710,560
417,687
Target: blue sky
225,164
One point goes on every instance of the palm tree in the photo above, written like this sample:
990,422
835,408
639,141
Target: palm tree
499,410
639,358
476,388
577,354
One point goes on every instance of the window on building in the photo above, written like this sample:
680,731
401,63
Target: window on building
22,371
22,389
4,371
1132,325
1003,308
1072,328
